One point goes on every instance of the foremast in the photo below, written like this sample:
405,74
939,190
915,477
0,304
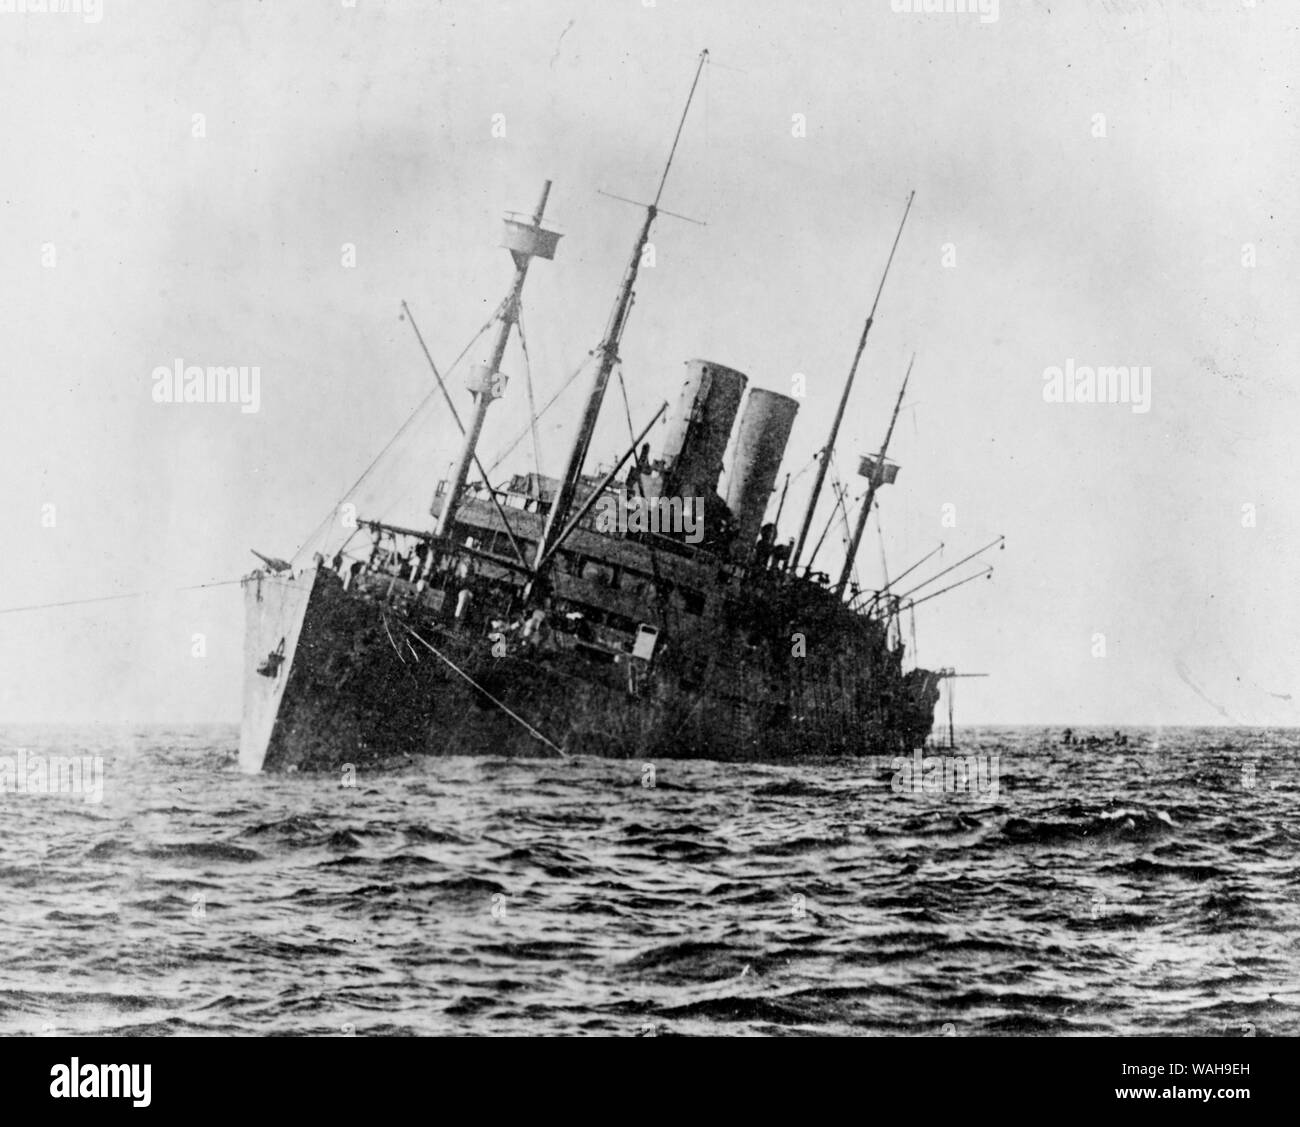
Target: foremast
606,354
525,241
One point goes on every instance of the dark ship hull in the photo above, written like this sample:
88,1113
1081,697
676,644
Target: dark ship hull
376,673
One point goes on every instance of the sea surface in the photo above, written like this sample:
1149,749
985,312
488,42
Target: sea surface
1147,889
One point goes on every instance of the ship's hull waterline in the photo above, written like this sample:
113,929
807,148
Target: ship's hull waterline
336,677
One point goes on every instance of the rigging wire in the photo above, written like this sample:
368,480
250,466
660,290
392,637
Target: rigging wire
451,407
324,524
113,598
513,715
656,577
309,541
807,466
880,532
550,403
532,403
840,491
407,315
848,540
884,564
627,406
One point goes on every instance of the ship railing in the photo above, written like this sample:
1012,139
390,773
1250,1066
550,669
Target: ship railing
445,545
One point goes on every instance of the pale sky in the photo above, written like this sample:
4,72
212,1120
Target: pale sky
133,233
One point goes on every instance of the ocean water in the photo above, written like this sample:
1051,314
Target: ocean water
1139,890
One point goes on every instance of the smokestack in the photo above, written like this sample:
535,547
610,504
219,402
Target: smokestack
699,429
760,445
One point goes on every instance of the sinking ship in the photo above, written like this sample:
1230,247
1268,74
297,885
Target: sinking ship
647,611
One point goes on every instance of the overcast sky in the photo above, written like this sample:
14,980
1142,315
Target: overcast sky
133,233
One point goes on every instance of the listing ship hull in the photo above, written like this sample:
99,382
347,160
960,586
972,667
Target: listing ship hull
644,611
378,674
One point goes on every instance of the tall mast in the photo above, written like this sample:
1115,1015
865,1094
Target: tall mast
876,479
825,459
525,242
607,354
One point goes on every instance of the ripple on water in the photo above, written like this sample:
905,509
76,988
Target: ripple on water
1094,893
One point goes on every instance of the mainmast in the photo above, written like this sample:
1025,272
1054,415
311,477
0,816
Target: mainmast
877,478
525,241
825,460
607,355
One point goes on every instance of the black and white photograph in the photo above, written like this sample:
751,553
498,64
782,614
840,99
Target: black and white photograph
650,519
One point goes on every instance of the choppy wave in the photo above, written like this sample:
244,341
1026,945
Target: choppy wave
1153,888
